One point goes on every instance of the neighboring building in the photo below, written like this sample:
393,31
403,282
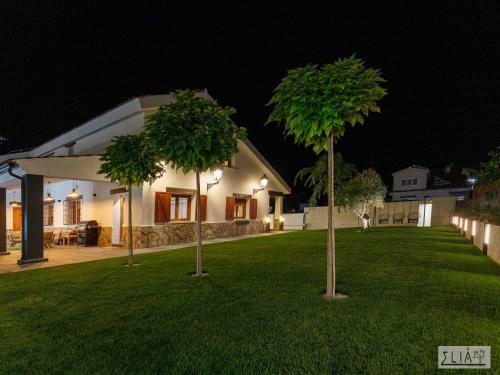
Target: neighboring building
163,212
416,182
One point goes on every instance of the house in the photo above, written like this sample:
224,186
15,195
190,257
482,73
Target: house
55,186
416,183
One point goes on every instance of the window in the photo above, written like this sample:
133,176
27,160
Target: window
409,182
240,208
180,207
72,211
48,214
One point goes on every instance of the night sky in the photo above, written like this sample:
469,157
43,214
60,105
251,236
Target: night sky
64,62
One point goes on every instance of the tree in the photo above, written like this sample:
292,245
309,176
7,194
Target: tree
315,104
194,134
128,161
315,177
489,173
362,193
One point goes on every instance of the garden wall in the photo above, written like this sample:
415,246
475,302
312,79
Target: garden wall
480,234
443,208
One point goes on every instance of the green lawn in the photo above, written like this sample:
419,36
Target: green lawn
260,310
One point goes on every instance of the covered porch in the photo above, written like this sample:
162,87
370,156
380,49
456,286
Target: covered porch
43,201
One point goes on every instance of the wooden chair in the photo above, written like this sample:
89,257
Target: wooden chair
413,217
57,239
47,238
383,218
397,218
14,238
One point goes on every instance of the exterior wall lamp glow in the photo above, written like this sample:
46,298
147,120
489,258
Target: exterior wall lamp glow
15,203
49,198
263,183
217,177
74,194
486,238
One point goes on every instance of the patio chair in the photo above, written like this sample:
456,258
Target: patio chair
47,238
57,237
397,218
413,217
14,238
383,218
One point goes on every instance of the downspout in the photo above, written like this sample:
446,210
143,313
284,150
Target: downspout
11,165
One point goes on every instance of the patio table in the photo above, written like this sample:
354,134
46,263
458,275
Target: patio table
67,238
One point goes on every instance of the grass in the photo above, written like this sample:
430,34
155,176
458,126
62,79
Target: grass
260,310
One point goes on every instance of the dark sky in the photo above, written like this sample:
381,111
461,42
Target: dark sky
63,62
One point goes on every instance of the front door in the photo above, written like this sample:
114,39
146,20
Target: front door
116,235
16,219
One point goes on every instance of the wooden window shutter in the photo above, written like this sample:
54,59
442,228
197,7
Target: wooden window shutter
229,208
203,199
253,209
162,207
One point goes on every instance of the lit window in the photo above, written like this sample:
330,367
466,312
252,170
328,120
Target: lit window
180,207
72,211
48,214
240,206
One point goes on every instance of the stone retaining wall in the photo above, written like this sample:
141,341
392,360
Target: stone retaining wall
175,233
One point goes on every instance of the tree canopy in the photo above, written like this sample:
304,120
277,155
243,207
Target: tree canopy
490,170
313,100
128,160
363,192
316,177
193,133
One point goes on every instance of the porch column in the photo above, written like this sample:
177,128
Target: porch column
3,222
32,211
278,210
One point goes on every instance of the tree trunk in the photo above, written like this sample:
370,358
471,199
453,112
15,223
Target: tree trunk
365,224
199,260
130,245
330,271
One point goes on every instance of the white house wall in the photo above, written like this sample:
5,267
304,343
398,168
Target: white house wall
241,179
97,202
420,174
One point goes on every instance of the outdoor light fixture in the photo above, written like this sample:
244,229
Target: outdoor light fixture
473,232
486,238
15,203
472,180
466,224
461,223
263,184
74,194
217,177
49,198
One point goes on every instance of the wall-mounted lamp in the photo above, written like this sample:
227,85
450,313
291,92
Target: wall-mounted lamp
49,198
263,184
217,177
15,203
74,194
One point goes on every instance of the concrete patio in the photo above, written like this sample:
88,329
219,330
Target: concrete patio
59,256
